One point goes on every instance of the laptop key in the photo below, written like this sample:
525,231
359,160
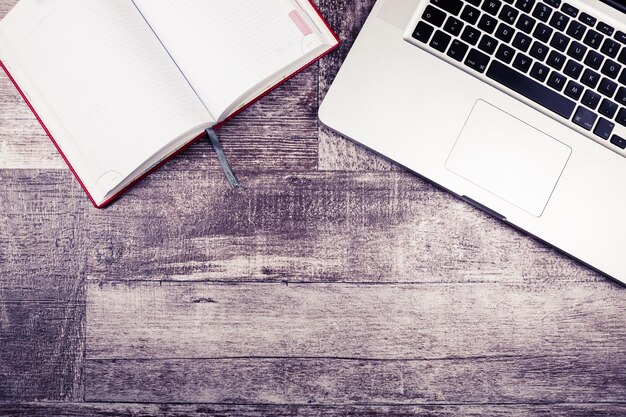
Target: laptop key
450,6
453,26
610,47
505,53
585,118
538,51
618,141
539,72
488,44
470,14
611,69
604,128
591,99
593,39
487,23
574,90
492,6
590,78
559,21
470,35
504,32
559,41
620,36
570,10
554,3
594,59
525,23
531,89
423,31
522,62
521,41
577,51
525,5
587,19
556,60
457,50
477,60
607,87
508,14
434,16
543,32
576,30
573,69
557,81
542,12
608,108
440,41
606,29
622,56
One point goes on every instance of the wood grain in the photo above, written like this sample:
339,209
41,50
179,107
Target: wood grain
512,380
42,276
314,227
427,321
225,410
332,343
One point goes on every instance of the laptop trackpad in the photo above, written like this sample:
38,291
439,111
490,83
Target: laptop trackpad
508,158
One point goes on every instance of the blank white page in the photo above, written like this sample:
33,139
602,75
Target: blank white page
102,83
225,48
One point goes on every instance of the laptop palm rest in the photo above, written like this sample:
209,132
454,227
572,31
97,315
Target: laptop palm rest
508,158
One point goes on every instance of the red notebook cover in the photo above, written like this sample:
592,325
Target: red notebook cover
118,195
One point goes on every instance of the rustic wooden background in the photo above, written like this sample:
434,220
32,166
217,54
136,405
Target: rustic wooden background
333,284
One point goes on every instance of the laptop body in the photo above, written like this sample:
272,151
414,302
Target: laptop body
481,126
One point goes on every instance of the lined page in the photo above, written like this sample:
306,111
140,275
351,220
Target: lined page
102,83
227,47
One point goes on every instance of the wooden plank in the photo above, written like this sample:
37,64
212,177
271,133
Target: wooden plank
313,227
42,275
336,153
316,381
345,343
152,320
193,410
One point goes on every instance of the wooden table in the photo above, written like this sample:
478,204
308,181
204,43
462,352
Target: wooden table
334,284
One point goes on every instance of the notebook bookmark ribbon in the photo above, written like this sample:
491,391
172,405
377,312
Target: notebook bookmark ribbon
230,176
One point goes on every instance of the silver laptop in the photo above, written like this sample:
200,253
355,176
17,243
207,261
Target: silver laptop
516,106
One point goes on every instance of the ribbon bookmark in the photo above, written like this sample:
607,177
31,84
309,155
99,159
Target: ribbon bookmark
230,176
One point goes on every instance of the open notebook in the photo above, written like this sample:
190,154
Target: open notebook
121,85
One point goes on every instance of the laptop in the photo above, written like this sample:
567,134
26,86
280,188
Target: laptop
516,106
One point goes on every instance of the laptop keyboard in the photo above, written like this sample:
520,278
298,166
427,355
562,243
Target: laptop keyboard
565,60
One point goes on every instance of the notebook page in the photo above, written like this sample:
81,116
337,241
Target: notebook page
102,83
227,47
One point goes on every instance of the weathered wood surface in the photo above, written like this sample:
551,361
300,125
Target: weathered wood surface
334,343
42,279
313,227
370,293
175,320
225,410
